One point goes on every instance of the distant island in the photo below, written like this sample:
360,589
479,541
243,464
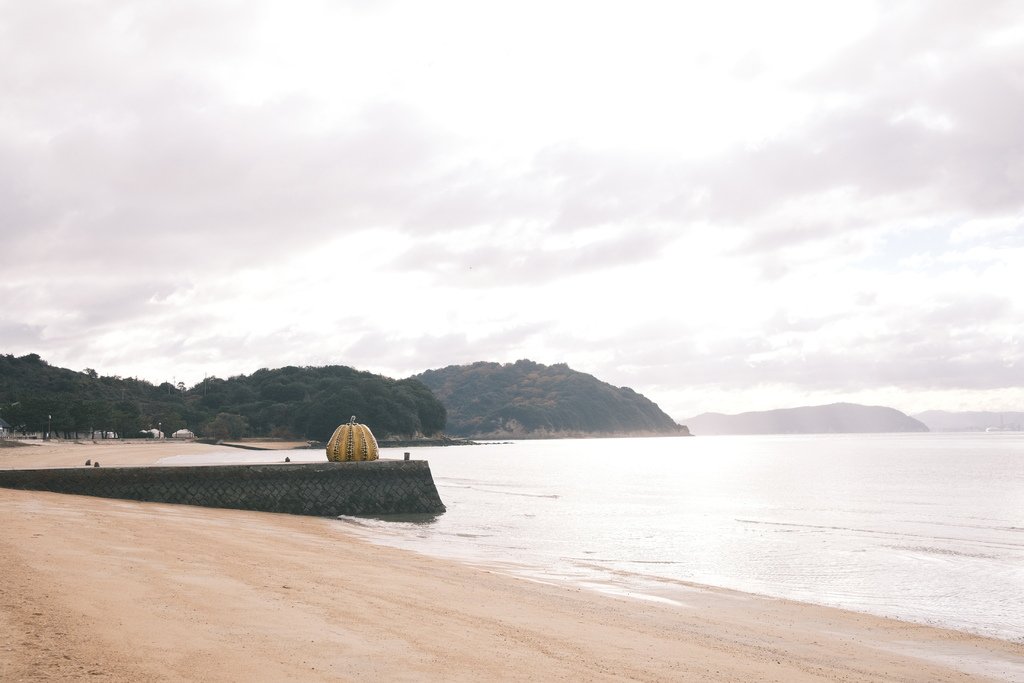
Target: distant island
530,400
972,421
837,418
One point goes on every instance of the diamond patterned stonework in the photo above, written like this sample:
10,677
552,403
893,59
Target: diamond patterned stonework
378,487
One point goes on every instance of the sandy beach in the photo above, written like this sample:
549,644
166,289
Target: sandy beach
109,590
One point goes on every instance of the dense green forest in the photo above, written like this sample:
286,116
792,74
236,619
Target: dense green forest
290,402
529,399
522,399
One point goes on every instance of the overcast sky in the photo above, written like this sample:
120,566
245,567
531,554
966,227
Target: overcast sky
728,206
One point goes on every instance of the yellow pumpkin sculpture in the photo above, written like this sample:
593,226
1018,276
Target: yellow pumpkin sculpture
352,441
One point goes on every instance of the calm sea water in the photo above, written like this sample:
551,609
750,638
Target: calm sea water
922,527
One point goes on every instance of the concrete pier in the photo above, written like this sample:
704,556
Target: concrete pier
329,489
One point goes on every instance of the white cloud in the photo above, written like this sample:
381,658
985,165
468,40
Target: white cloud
725,206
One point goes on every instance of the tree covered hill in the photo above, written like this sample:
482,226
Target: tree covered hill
527,399
306,403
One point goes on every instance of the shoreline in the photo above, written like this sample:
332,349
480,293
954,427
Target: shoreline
149,591
646,587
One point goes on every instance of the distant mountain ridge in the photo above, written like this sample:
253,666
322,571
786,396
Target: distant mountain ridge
971,421
836,418
530,400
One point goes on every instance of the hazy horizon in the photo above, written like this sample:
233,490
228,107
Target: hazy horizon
728,208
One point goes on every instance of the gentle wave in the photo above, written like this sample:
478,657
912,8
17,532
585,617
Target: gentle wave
879,532
942,551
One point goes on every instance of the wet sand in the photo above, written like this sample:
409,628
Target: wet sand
110,590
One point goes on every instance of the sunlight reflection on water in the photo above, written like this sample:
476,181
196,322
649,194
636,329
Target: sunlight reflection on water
924,527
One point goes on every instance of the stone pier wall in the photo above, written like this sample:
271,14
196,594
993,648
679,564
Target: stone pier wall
329,489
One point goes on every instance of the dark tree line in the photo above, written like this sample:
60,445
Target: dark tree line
290,402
